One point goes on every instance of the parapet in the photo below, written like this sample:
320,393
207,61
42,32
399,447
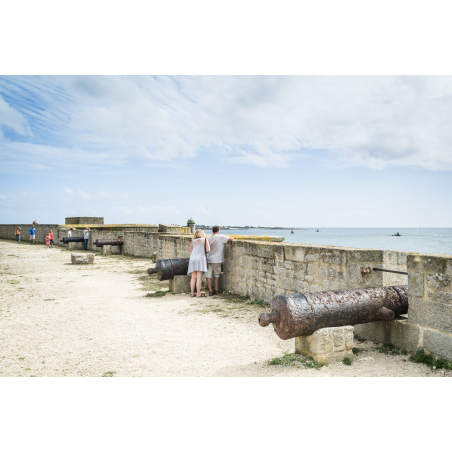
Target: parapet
84,220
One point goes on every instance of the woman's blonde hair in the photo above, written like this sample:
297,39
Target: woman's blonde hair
199,233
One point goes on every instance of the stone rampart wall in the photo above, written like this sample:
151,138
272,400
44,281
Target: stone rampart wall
8,231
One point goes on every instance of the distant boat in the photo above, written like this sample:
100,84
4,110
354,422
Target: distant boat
292,231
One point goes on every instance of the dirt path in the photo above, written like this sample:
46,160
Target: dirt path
59,319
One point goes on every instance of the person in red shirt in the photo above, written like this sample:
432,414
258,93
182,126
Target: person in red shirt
51,238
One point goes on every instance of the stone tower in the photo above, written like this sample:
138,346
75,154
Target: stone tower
191,225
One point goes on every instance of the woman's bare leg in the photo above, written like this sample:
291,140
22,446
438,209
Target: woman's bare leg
192,282
198,283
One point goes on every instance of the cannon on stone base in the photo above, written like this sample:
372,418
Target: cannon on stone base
113,242
66,240
303,314
169,268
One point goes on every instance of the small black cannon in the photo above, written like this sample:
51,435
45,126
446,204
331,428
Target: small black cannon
303,314
169,268
66,240
115,242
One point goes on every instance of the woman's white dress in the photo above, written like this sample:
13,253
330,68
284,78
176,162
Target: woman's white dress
198,261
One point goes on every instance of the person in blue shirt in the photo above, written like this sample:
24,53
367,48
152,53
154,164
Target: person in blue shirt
32,232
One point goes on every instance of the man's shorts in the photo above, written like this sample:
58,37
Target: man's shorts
51,242
215,269
32,236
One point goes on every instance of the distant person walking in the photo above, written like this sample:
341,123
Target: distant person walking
51,239
215,258
198,263
69,233
18,233
32,232
47,241
86,237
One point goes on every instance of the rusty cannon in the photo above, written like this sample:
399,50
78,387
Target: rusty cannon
114,242
169,268
66,240
303,314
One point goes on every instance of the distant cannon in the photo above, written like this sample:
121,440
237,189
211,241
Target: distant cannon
66,240
169,268
114,242
303,314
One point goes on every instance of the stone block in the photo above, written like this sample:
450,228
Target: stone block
444,297
438,281
365,256
432,314
322,271
438,343
327,345
312,270
106,250
294,253
415,284
82,258
180,284
334,257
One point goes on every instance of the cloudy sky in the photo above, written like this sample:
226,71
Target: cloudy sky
299,151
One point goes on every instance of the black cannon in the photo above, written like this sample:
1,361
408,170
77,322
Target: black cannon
169,268
114,242
66,240
302,314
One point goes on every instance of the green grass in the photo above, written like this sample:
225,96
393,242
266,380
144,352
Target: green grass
136,271
357,350
430,360
390,349
358,339
109,374
347,362
159,293
13,281
295,360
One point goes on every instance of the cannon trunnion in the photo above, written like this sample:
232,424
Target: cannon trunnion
66,240
303,314
169,268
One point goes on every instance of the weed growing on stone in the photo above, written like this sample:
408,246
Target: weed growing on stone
430,360
390,349
294,359
357,350
347,362
159,293
109,374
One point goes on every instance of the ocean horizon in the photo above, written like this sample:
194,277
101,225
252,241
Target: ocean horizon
416,240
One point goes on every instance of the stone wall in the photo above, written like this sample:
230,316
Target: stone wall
84,220
8,231
428,324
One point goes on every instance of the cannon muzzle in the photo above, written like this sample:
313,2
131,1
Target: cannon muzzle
303,314
169,268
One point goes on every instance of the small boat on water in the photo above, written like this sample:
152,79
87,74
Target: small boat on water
292,231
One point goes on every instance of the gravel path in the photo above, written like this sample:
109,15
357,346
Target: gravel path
59,319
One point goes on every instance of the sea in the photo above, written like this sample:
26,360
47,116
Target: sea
418,240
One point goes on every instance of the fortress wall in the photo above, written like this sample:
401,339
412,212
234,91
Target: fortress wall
8,231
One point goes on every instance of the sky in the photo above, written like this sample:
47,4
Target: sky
291,151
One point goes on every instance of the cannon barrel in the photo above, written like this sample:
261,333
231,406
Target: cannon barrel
303,314
71,239
168,268
102,242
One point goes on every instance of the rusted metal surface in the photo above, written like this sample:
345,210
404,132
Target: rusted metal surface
302,314
114,242
71,239
168,268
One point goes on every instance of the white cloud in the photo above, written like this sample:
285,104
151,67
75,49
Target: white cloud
262,121
68,191
11,118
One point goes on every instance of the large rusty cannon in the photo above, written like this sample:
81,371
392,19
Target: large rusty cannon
169,268
115,242
66,240
302,314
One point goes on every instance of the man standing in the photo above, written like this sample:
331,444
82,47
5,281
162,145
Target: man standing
51,238
86,237
69,233
32,232
215,258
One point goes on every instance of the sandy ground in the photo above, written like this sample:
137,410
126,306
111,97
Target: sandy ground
59,319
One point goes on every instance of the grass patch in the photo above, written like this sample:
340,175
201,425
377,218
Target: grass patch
390,349
13,281
109,373
358,339
357,350
295,360
159,293
136,271
430,360
347,362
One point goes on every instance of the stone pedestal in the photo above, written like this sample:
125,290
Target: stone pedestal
180,284
71,246
82,258
328,345
106,250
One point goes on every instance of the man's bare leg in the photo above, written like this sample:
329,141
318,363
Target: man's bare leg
217,283
209,284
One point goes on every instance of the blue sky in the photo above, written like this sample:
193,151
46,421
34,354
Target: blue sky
299,151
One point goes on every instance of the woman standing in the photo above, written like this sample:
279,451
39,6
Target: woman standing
198,263
18,233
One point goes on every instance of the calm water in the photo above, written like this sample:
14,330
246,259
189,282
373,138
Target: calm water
416,240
